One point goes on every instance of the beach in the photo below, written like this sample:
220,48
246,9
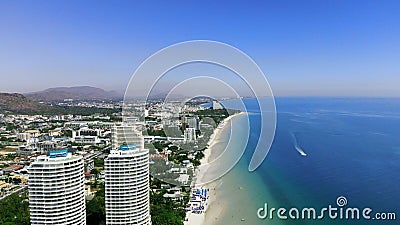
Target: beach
334,143
202,174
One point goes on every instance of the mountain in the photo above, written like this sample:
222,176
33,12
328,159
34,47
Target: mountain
75,93
18,103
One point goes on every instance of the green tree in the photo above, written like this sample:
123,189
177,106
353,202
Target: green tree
16,180
15,210
95,209
95,172
99,162
164,211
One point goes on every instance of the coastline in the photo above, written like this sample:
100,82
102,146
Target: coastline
199,219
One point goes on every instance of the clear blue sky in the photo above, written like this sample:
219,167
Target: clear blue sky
317,48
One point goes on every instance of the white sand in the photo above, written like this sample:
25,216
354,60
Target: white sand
217,209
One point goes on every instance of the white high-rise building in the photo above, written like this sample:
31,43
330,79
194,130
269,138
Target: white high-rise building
216,105
127,186
56,189
126,134
189,134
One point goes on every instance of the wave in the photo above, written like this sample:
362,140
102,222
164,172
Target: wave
362,114
378,133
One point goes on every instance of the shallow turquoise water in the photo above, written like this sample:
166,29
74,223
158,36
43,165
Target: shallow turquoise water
352,148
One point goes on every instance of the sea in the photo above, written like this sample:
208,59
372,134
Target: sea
325,150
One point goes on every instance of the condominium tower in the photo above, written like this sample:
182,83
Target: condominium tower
56,189
127,186
126,134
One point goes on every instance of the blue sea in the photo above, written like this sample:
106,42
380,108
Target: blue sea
351,149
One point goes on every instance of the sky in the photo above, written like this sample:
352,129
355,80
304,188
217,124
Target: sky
304,48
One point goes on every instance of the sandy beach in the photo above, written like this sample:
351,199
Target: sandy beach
199,219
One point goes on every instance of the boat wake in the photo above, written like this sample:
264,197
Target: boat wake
300,151
297,146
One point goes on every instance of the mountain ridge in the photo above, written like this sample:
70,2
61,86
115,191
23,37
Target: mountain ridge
74,92
15,102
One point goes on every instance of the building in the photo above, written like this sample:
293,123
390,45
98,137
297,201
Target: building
85,131
127,186
30,147
193,122
216,105
177,196
46,146
27,149
89,165
24,136
190,134
87,140
12,168
126,134
56,189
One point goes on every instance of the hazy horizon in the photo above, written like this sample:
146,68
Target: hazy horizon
182,95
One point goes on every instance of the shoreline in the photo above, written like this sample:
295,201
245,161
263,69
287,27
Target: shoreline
199,219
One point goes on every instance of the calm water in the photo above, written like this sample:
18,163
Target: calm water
353,150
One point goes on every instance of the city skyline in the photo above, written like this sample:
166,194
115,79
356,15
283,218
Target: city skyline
199,112
340,48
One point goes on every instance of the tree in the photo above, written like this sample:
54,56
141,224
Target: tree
95,208
99,162
68,133
165,211
16,180
15,210
95,172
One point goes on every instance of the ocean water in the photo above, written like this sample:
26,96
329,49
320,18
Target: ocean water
323,148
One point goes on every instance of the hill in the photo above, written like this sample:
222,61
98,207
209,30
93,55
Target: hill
17,103
76,93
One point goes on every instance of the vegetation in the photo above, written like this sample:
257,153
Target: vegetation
99,162
95,172
48,128
160,146
153,132
96,209
216,114
9,127
20,104
8,157
17,103
14,210
113,118
76,110
165,211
